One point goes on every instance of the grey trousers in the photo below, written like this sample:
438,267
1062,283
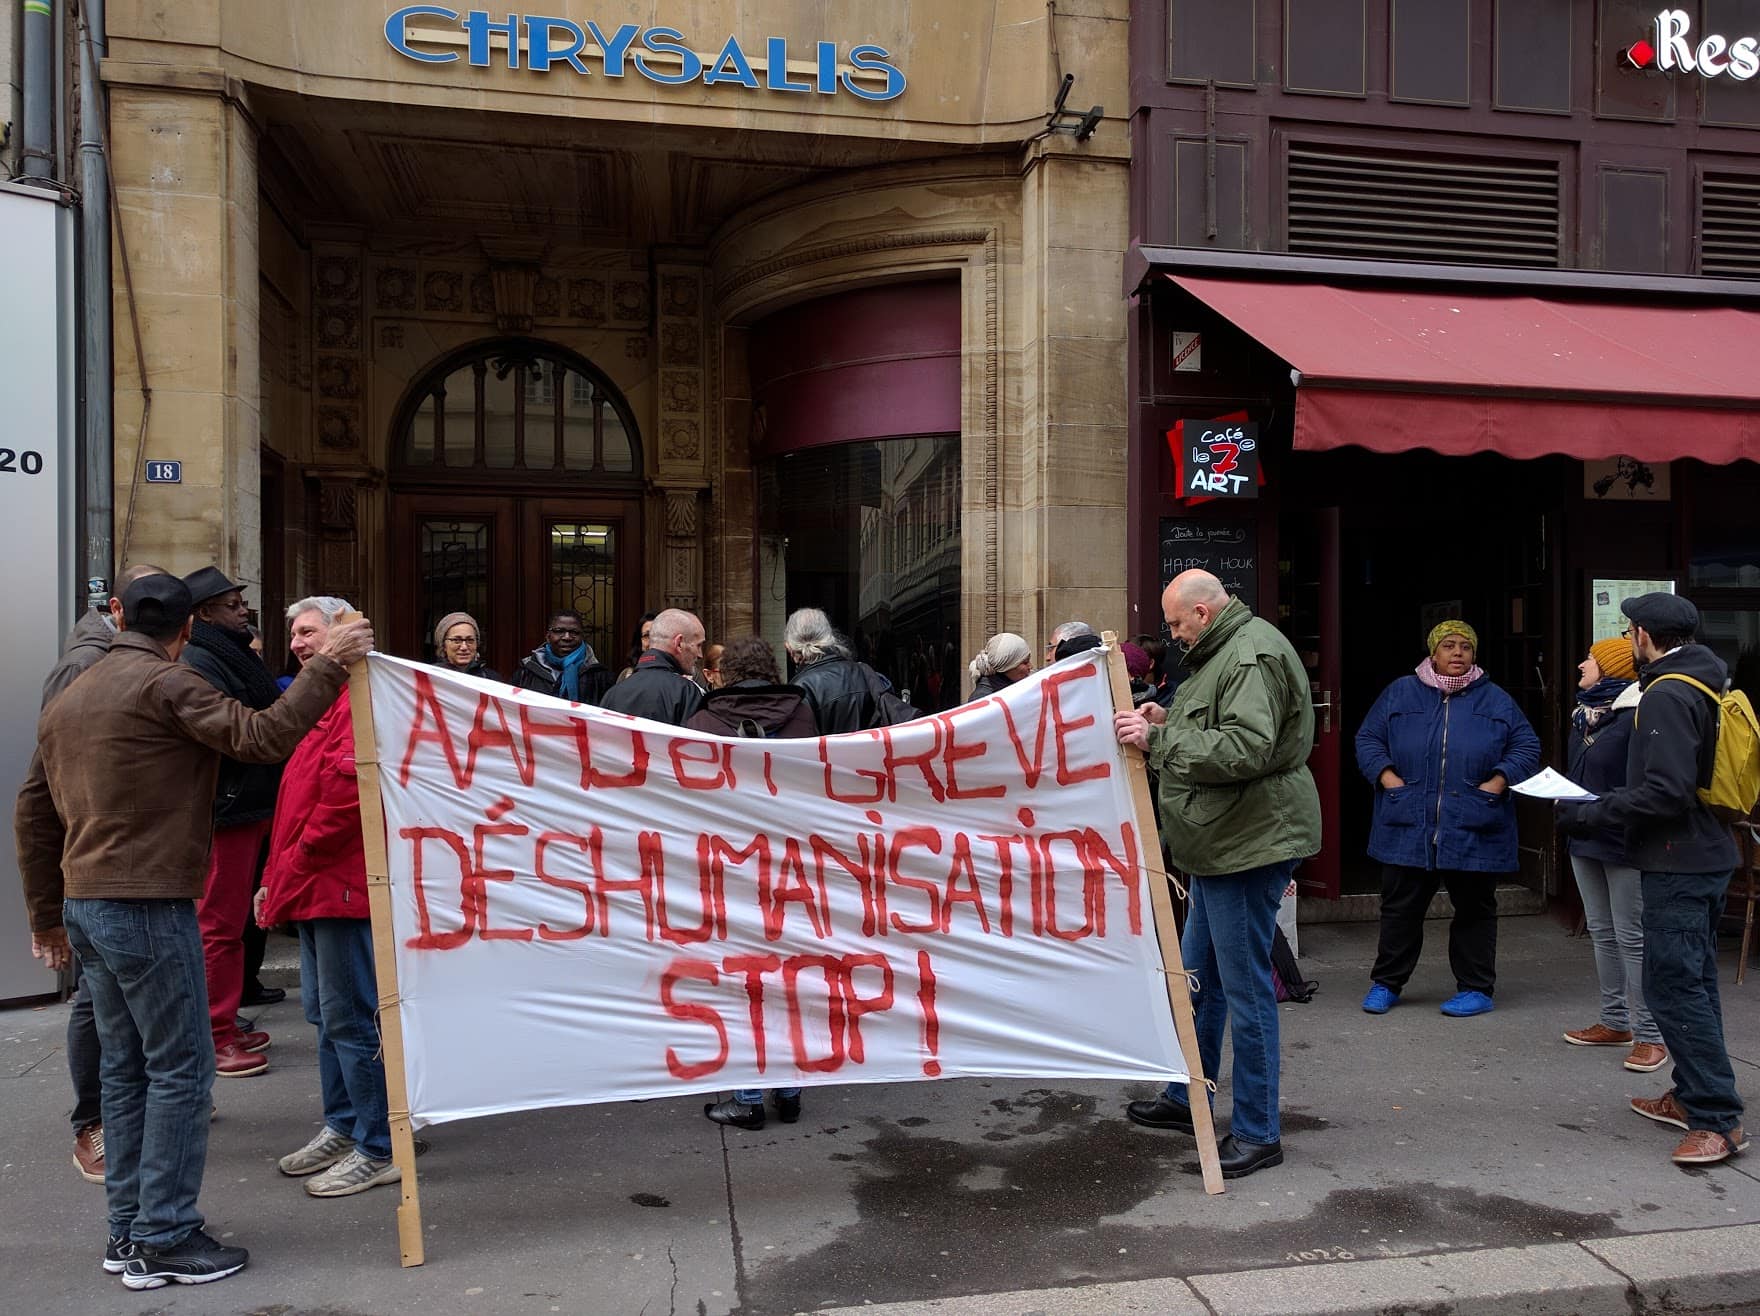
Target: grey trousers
1613,907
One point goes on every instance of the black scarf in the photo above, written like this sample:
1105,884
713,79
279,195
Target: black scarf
245,671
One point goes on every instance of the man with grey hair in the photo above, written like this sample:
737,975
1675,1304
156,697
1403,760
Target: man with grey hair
1068,630
837,685
1238,811
112,828
660,688
316,879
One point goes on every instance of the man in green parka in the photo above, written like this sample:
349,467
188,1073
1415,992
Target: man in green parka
1238,811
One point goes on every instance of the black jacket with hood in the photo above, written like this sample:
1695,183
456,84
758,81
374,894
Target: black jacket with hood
838,689
780,711
1668,828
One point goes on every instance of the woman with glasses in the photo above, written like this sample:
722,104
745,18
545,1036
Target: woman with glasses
565,664
458,646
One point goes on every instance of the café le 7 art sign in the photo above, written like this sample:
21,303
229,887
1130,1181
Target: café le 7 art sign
434,34
1673,46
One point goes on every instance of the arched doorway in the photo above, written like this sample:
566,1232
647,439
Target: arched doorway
516,482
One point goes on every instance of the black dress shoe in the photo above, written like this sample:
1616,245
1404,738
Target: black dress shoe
788,1109
1240,1159
1161,1113
736,1113
257,994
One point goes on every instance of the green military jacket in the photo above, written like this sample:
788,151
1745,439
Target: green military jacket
1235,792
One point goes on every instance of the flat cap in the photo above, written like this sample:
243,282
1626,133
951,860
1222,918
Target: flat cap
156,602
208,583
1662,613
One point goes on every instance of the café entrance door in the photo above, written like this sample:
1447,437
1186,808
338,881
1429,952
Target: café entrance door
516,493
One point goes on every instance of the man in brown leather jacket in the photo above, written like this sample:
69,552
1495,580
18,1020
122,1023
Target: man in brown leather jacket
113,827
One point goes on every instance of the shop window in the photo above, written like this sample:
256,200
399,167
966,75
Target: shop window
519,407
866,532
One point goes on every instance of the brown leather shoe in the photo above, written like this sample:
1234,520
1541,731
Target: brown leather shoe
1599,1035
1647,1058
88,1153
233,1061
1703,1147
1664,1109
254,1041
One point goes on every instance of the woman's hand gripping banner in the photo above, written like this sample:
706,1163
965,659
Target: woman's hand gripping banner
589,907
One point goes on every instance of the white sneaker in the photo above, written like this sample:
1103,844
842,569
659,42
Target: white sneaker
325,1149
354,1173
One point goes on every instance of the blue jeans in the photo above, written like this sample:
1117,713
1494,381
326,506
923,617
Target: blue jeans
1681,911
143,960
84,1059
1227,945
341,998
755,1096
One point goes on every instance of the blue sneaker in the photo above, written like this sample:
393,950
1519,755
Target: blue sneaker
1380,999
1464,1005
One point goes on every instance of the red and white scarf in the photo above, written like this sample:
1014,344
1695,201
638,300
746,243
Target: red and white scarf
1449,685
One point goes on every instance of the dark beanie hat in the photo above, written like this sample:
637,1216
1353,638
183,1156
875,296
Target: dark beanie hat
1136,660
156,603
1078,644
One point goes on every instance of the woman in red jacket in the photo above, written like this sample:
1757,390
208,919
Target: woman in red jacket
317,880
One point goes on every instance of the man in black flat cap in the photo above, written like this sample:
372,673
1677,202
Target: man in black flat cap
112,828
1687,856
244,803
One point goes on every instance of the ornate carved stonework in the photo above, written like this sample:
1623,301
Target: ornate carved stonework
390,335
680,440
635,349
586,300
336,278
680,296
629,301
547,297
482,295
339,327
338,428
394,288
513,296
338,505
681,344
339,377
681,390
681,513
443,290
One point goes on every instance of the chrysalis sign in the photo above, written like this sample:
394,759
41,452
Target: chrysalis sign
660,54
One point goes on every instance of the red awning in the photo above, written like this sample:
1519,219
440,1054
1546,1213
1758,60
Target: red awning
1393,369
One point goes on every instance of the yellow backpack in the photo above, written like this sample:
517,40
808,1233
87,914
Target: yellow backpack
1735,775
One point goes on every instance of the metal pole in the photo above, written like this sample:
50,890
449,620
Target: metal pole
96,364
38,146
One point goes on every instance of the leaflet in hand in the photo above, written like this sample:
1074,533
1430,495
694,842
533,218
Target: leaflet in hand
1549,785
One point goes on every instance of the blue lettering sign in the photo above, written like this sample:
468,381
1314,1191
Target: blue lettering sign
659,54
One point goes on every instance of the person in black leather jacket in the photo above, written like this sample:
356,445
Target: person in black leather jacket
838,685
660,688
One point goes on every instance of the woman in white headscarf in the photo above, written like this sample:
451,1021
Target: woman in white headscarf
1000,663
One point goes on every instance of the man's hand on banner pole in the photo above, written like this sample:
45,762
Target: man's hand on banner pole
1132,725
349,642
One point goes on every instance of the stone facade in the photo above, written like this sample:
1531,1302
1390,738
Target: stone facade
306,237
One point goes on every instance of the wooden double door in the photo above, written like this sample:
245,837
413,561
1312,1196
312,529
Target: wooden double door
511,560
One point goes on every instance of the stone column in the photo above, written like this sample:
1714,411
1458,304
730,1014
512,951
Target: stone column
184,164
681,470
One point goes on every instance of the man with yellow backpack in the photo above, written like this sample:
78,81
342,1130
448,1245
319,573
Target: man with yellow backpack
1694,756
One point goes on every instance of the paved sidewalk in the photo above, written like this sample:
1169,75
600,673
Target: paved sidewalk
1434,1164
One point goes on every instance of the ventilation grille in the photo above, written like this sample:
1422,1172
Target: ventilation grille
1729,225
1459,209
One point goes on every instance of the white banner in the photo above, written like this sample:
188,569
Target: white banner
591,907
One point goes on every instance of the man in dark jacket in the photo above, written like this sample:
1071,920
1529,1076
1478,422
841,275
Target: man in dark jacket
660,689
1687,856
244,802
838,685
88,641
112,828
565,664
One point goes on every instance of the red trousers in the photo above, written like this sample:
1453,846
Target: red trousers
222,911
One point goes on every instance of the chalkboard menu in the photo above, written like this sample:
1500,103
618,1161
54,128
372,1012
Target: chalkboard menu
1228,550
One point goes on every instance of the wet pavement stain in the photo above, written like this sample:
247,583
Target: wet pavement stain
650,1199
940,1218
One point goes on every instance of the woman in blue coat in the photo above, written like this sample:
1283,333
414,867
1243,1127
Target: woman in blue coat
1442,747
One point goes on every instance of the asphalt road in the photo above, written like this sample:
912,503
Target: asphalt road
1406,1135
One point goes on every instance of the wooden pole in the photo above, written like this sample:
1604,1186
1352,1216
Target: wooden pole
403,1144
1179,995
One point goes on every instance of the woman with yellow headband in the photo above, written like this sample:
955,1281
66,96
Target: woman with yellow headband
1441,747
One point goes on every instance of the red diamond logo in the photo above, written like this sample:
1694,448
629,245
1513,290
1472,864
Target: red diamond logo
1641,54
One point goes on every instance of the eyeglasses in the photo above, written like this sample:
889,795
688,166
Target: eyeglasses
461,641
